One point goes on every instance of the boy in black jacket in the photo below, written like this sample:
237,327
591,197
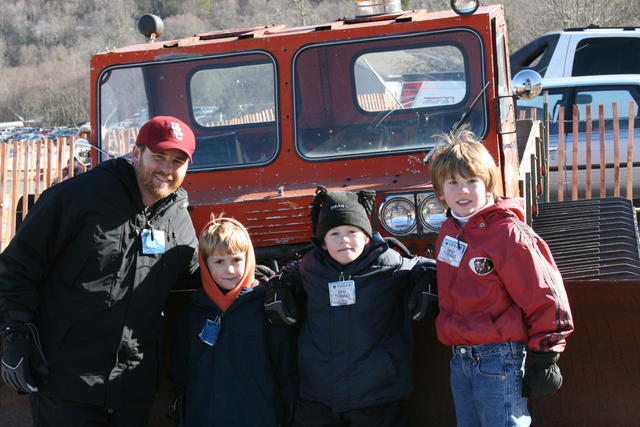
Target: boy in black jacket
223,366
355,341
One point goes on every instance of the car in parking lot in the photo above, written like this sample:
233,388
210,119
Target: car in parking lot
584,51
594,90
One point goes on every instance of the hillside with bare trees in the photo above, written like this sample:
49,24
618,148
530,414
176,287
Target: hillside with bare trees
46,45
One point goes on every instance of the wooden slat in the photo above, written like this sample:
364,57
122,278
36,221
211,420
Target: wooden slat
574,153
632,109
49,148
25,179
61,142
14,186
4,160
561,154
616,151
603,187
38,188
589,131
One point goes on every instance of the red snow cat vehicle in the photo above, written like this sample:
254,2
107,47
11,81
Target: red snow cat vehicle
354,104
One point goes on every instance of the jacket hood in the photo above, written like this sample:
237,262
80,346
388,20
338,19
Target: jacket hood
202,300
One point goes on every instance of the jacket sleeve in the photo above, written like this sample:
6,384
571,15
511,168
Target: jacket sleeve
282,345
179,355
191,277
533,281
24,265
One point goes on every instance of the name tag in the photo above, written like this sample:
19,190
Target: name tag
451,251
153,242
342,293
210,331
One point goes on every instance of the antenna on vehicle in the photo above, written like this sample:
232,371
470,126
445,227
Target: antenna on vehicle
150,26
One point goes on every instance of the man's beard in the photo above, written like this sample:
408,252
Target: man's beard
159,190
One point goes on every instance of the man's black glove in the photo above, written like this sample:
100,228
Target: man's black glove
23,365
280,303
542,376
177,410
423,301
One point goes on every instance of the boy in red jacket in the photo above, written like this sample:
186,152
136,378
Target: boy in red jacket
500,293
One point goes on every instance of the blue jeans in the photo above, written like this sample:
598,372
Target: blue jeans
486,382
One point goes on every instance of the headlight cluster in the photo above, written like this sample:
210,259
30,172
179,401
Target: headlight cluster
411,214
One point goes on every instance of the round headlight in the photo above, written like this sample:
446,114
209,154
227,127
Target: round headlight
432,213
465,7
398,216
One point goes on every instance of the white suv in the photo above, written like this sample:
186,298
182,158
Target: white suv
594,90
581,52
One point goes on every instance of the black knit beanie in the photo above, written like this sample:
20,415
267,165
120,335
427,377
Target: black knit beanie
336,208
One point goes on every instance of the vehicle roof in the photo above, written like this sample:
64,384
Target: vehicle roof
608,79
234,35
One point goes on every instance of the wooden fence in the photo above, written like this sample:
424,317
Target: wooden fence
575,169
29,167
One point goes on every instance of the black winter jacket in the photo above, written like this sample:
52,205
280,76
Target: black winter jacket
76,268
354,356
246,378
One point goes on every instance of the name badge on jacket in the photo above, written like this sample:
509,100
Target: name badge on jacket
153,242
451,251
342,293
210,331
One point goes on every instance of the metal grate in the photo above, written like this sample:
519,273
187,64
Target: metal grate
593,239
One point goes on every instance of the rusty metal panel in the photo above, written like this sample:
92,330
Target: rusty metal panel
593,239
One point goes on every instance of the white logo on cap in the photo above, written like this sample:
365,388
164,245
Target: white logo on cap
177,130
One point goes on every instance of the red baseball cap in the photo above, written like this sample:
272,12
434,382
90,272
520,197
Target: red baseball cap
164,133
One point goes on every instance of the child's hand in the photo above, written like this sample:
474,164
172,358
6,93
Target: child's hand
279,303
542,376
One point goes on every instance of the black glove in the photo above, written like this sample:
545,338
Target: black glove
280,303
23,364
423,301
542,376
263,273
177,410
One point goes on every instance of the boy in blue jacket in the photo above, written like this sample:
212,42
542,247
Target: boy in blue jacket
355,342
224,366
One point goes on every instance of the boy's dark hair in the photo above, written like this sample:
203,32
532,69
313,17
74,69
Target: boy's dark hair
332,209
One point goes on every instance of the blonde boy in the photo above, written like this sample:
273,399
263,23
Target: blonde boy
223,368
500,293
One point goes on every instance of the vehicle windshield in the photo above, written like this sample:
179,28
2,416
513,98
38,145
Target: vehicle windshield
385,95
230,103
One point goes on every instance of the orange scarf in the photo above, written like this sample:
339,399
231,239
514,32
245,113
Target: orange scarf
224,301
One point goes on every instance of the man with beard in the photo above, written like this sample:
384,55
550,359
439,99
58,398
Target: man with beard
84,281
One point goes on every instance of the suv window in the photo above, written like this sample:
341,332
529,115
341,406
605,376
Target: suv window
607,55
596,97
